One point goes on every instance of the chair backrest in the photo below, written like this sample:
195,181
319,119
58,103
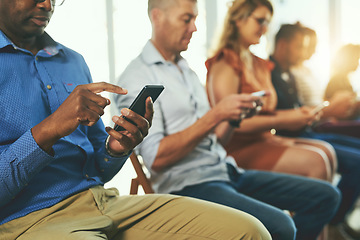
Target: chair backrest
141,179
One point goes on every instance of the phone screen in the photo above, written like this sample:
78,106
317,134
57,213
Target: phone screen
259,93
138,105
319,107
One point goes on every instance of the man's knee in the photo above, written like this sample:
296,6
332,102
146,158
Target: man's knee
323,199
224,222
331,197
284,227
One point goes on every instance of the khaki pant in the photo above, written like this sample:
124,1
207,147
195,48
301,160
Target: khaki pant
101,214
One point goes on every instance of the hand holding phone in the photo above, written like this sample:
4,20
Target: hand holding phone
319,107
139,104
247,112
261,93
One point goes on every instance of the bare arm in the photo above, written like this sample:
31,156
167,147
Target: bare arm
291,119
174,147
342,105
223,81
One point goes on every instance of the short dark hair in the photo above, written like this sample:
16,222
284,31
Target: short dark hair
288,31
309,32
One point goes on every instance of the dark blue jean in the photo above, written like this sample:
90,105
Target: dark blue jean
348,153
265,195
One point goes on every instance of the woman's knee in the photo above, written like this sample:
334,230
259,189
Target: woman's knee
305,160
320,166
330,153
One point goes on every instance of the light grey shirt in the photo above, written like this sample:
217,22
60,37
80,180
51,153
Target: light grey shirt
180,105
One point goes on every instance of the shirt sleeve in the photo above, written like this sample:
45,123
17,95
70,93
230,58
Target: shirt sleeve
19,162
105,166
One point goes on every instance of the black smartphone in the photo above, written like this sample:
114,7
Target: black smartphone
138,105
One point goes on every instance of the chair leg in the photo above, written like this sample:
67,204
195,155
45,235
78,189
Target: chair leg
134,187
141,177
324,234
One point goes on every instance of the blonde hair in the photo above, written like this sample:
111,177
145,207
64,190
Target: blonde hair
238,9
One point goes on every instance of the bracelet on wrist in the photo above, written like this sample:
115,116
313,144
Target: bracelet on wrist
111,153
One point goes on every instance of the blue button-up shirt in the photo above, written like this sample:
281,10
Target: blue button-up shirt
32,88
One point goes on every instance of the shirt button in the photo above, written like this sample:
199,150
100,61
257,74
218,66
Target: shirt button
87,176
48,87
106,159
36,58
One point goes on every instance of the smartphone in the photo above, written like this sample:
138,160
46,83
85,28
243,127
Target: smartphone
138,105
259,93
236,123
319,107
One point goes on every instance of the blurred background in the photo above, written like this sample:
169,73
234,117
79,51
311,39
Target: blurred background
110,33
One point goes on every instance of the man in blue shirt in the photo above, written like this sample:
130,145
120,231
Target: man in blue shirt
55,154
184,151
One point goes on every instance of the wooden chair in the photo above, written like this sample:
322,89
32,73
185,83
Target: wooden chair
141,179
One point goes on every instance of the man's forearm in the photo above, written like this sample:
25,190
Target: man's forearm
174,147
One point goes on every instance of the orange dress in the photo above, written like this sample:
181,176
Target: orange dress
253,150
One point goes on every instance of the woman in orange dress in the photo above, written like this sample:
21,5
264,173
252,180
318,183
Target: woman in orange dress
234,69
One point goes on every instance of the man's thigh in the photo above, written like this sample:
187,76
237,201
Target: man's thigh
225,193
97,213
285,191
73,215
102,214
189,218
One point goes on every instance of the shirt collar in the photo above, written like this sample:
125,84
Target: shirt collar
152,56
51,47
